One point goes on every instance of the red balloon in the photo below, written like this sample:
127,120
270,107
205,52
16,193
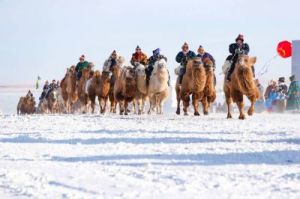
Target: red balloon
284,49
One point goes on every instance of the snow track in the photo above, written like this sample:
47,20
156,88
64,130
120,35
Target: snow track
169,156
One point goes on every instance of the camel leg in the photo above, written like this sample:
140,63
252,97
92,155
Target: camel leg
238,98
143,106
186,100
195,99
178,101
126,107
139,106
178,107
205,105
93,103
100,99
121,107
251,108
228,102
105,102
151,104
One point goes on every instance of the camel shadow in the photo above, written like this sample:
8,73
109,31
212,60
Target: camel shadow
22,139
201,159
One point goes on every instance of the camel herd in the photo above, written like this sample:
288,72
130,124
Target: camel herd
126,84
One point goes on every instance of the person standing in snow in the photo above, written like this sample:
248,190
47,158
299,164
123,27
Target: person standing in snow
282,87
151,61
293,95
138,57
236,49
182,57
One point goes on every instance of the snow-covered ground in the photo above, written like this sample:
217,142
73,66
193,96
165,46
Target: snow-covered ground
169,156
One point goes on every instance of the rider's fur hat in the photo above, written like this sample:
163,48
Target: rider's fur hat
240,37
281,79
185,45
82,57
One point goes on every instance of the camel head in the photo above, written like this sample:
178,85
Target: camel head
72,68
208,65
140,70
160,65
97,76
54,95
129,73
29,95
197,63
90,66
105,77
116,70
245,63
70,71
120,61
85,73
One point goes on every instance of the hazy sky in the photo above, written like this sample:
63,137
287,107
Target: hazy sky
44,37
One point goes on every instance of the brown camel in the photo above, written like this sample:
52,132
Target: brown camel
26,104
81,89
125,89
116,71
100,86
209,89
55,102
68,88
193,83
241,83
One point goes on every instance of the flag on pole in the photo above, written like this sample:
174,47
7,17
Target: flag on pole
37,84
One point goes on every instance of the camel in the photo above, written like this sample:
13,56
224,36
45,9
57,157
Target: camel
43,106
177,90
209,89
55,101
81,89
158,90
142,90
26,104
116,71
100,86
241,83
68,88
193,83
125,88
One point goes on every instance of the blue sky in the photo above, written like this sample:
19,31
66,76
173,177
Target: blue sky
45,37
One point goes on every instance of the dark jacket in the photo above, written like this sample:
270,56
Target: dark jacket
81,65
244,47
207,55
153,59
183,58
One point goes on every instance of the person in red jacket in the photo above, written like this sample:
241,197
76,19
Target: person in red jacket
139,57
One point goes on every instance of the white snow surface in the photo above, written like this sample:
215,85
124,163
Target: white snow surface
168,156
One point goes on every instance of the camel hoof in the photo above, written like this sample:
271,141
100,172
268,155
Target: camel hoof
196,114
229,116
250,112
242,117
126,114
186,114
205,112
178,112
